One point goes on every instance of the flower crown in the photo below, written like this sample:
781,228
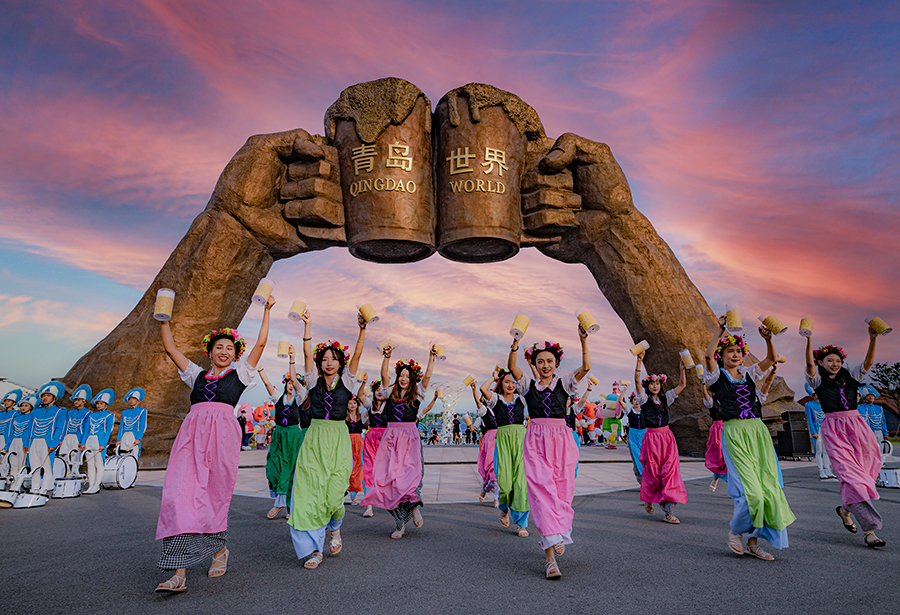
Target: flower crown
411,364
824,351
300,378
660,378
375,384
631,399
730,340
335,346
541,346
232,334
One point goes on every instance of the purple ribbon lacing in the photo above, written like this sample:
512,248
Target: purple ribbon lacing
743,398
844,399
546,401
329,401
399,409
210,389
509,409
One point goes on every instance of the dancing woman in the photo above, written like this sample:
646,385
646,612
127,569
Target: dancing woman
398,471
754,478
325,461
852,447
661,477
287,436
637,428
356,424
550,453
508,409
203,463
714,461
487,449
377,422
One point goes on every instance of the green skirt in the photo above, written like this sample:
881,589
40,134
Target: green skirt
321,475
282,458
510,468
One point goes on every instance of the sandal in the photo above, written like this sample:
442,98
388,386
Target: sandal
217,570
757,551
522,532
336,544
313,562
713,485
173,585
398,534
735,543
876,542
496,503
672,519
553,572
845,519
481,497
369,512
274,512
649,508
559,548
418,521
504,519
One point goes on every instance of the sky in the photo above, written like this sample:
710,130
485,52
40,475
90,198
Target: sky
761,139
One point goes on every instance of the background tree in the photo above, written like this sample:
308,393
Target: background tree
887,378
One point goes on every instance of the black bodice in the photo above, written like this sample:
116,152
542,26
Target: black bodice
329,405
547,403
737,400
837,394
226,389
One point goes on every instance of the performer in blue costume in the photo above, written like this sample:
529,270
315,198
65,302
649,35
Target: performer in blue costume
98,426
47,429
74,421
872,412
6,414
132,423
19,435
814,418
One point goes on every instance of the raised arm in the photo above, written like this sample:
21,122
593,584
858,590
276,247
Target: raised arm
386,351
771,355
257,350
582,371
767,383
309,361
682,381
360,343
169,344
428,370
706,396
810,360
430,406
511,362
870,353
478,403
292,370
486,387
711,348
637,375
262,374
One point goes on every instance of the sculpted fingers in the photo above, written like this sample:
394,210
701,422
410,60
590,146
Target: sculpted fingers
312,194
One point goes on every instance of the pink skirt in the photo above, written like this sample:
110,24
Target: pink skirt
550,456
854,453
486,459
661,478
398,467
370,448
202,472
715,461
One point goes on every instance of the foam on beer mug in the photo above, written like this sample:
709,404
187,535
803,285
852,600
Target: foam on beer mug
367,312
594,381
263,291
879,326
441,355
773,324
519,326
468,381
686,358
297,309
733,322
284,347
642,346
165,301
587,321
806,327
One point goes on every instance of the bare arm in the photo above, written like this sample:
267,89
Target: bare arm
431,405
169,344
511,362
682,382
257,350
637,375
485,388
309,361
584,398
478,403
360,343
262,374
810,361
711,348
705,389
387,349
767,383
870,353
582,371
430,368
771,355
292,370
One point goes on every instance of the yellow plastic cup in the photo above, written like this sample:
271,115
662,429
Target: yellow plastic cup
587,321
519,326
440,393
594,381
441,355
284,346
699,369
367,312
165,301
642,346
733,322
468,381
686,358
806,327
879,326
263,291
773,324
297,309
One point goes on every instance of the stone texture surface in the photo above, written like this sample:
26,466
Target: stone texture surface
287,193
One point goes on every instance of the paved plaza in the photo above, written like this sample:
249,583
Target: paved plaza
96,554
